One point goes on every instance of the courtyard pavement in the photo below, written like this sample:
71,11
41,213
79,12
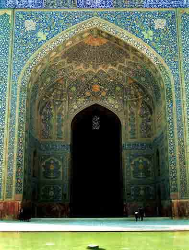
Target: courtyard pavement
95,225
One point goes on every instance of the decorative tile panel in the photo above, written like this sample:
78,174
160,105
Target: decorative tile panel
51,169
132,110
142,193
141,167
51,193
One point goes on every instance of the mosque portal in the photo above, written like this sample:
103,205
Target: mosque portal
94,108
97,131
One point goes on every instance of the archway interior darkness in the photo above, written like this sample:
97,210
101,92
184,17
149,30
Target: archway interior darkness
96,189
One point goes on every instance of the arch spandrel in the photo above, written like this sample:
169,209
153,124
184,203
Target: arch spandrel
118,114
125,37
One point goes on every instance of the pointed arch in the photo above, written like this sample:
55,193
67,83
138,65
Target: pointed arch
125,36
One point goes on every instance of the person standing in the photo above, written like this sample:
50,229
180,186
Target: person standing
136,215
141,213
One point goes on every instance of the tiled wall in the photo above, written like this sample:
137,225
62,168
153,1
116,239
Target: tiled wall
32,29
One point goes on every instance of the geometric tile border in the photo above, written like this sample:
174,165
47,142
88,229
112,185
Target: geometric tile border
5,40
183,19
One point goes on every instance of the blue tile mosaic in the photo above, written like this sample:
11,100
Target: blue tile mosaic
5,33
48,4
185,55
94,3
2,4
24,4
166,3
129,4
184,18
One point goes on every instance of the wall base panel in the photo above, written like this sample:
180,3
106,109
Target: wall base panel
180,209
9,209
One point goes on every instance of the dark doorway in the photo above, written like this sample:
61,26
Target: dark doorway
96,189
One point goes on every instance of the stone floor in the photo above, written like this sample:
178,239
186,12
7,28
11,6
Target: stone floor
96,224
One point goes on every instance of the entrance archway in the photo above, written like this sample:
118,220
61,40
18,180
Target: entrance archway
96,188
128,82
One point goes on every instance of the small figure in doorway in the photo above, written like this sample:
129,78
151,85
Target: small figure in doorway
136,215
25,214
21,214
141,213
